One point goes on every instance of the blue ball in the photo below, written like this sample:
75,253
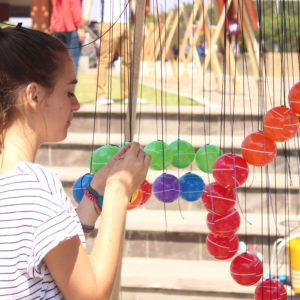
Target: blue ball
192,186
79,185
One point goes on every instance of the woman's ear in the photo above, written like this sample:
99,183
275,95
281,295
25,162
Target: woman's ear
34,93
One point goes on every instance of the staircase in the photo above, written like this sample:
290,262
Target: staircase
165,256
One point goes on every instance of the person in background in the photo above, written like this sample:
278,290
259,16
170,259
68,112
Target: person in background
42,248
113,18
66,24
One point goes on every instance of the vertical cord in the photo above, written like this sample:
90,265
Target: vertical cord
109,74
155,79
97,79
162,114
192,90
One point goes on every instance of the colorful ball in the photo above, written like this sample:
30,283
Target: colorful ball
220,247
258,150
280,124
135,200
183,154
161,155
80,185
224,226
166,188
146,189
270,289
218,200
206,157
192,186
246,269
230,170
294,98
102,156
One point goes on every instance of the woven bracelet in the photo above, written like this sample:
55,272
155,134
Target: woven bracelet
87,228
95,197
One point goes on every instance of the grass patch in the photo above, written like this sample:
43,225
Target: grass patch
86,92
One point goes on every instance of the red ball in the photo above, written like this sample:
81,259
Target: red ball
220,247
280,124
294,98
270,289
146,189
224,226
217,199
230,170
246,269
258,150
135,200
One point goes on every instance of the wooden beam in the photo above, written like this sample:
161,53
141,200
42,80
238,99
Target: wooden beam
131,109
135,70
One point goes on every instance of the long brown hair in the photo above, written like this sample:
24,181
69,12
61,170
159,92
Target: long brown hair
26,56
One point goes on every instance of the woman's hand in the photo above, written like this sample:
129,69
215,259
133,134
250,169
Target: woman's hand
130,167
99,181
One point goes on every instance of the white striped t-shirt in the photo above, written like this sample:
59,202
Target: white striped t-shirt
35,216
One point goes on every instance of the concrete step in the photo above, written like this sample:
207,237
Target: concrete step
151,119
166,279
77,148
262,191
258,177
182,235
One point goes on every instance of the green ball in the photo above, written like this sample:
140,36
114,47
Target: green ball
183,154
206,157
102,156
161,155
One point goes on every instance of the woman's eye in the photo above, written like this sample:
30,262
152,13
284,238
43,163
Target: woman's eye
70,94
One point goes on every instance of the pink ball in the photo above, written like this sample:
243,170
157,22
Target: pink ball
246,269
217,199
270,289
230,170
224,226
220,247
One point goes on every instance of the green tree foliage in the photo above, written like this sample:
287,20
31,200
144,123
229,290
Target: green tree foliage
280,25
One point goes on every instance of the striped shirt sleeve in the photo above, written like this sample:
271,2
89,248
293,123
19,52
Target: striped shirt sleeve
59,224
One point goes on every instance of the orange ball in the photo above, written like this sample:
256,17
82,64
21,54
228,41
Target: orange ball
280,124
135,199
258,150
294,98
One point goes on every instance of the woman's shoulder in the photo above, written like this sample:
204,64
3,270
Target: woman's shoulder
34,175
36,170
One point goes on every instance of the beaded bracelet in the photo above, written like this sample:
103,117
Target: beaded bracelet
87,228
95,197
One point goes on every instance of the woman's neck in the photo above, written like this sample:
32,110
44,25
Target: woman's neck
19,145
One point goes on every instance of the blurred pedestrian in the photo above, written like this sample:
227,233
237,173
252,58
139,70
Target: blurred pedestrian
67,25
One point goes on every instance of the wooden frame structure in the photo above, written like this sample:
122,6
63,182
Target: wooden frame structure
198,25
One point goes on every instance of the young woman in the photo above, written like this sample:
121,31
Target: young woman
42,254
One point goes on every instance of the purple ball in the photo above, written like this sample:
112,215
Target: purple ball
166,188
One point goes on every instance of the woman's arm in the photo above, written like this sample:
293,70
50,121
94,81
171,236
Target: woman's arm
77,275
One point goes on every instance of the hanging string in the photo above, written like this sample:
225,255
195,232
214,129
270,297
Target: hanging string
109,75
